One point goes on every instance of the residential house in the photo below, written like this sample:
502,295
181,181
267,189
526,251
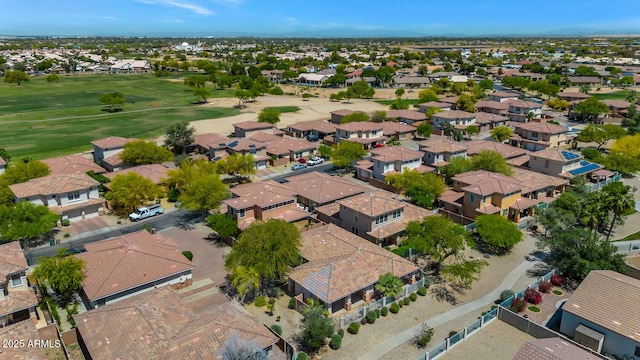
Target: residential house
572,96
3,165
452,100
210,144
406,116
377,215
558,162
394,159
366,133
519,110
315,189
458,118
617,108
488,121
336,116
318,128
155,173
72,164
23,340
121,267
312,79
410,81
18,301
162,324
73,196
507,151
245,129
501,96
552,349
536,136
290,149
400,131
262,201
539,186
439,150
584,80
492,107
442,106
244,146
590,318
341,269
106,152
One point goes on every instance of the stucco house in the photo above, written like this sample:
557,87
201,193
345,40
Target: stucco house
519,110
120,267
501,96
457,118
106,152
442,106
318,128
341,269
394,159
398,130
406,116
73,196
247,128
336,116
536,136
315,189
590,318
438,150
72,164
563,163
366,133
18,301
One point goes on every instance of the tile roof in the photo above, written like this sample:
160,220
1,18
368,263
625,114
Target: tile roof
535,181
17,300
450,100
454,114
213,140
507,151
488,209
523,104
541,127
503,94
492,105
342,112
395,153
576,95
319,125
111,142
72,164
262,136
524,203
488,118
53,184
284,146
260,194
486,183
120,263
244,144
341,263
252,125
25,331
452,197
553,349
438,145
591,301
12,259
616,104
360,126
391,128
406,114
161,324
556,154
322,188
373,203
154,172
410,213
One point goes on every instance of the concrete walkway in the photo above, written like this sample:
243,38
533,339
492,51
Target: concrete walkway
407,335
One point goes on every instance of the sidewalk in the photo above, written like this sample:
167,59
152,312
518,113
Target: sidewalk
406,336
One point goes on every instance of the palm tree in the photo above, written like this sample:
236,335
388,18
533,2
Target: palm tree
619,200
596,211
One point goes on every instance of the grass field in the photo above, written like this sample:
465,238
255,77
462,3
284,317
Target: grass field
41,119
616,95
284,109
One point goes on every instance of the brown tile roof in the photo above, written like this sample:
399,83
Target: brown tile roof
616,104
452,197
390,128
395,153
120,263
53,184
406,114
25,331
112,142
18,300
365,140
342,112
454,114
503,94
410,213
84,204
535,181
213,140
364,164
154,172
524,203
284,146
541,127
244,144
438,145
360,126
488,118
592,301
262,136
12,259
450,100
576,95
160,324
319,125
72,164
523,104
486,183
260,194
322,188
584,79
492,105
114,160
552,349
488,209
519,161
252,125
341,263
329,210
555,153
507,151
373,203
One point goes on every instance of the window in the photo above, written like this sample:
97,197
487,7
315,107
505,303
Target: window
546,163
504,212
241,213
16,280
75,195
472,197
484,199
637,352
356,218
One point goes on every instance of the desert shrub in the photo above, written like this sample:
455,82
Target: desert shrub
591,154
557,292
427,283
173,195
424,336
66,222
277,328
335,342
406,301
377,313
371,317
354,327
413,297
422,291
260,301
533,296
384,311
188,254
292,303
557,279
505,294
394,308
545,286
534,308
301,356
518,305
341,332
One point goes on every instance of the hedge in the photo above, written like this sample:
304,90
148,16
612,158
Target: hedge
301,356
260,301
422,291
353,328
371,317
407,301
341,332
188,254
384,311
335,342
394,308
413,297
292,303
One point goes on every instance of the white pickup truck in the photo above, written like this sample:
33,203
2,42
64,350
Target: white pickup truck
145,212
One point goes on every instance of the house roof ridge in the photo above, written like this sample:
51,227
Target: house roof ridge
106,278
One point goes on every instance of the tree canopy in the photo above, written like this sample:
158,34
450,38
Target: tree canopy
590,109
457,165
16,76
427,95
112,100
199,184
346,153
270,247
223,224
498,231
491,160
628,145
129,191
356,116
271,116
425,129
140,152
178,136
237,164
501,133
19,172
360,90
25,221
601,134
466,103
63,273
316,328
423,189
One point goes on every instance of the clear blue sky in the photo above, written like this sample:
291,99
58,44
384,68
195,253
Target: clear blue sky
272,17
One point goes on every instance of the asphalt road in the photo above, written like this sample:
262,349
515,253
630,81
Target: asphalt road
324,167
175,218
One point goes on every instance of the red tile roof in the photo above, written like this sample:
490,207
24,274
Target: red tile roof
373,203
322,126
285,146
391,128
111,142
252,125
541,127
261,136
211,140
120,263
160,324
12,259
439,144
486,183
488,118
154,172
342,112
322,188
360,126
53,184
23,331
507,151
454,114
72,164
260,194
395,153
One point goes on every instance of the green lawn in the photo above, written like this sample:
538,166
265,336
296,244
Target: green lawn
41,119
634,236
284,109
616,95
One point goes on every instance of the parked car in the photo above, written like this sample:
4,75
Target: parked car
302,160
298,167
315,161
378,145
145,212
